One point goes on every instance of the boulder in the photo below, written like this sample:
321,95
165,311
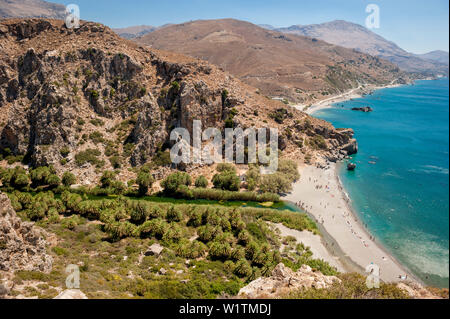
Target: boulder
284,280
154,250
71,294
351,148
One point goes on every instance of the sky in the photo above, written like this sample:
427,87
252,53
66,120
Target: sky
417,26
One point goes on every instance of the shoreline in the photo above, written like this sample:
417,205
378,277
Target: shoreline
344,235
348,95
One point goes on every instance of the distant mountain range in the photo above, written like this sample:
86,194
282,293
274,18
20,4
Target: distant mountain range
355,36
296,67
438,55
31,9
339,32
136,31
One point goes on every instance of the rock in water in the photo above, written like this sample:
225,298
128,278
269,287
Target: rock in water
351,166
366,109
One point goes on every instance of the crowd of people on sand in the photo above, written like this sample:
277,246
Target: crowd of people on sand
345,215
323,204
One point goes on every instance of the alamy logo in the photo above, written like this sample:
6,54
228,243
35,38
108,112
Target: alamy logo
373,279
73,279
256,150
373,20
72,16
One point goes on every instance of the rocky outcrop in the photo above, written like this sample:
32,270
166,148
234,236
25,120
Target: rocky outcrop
284,280
71,294
22,246
416,291
365,109
92,91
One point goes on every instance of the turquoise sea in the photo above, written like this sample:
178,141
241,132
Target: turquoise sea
400,188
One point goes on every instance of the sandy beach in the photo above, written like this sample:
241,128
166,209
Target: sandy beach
351,94
316,243
320,193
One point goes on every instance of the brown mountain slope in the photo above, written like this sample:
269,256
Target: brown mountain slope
291,66
31,9
86,100
355,36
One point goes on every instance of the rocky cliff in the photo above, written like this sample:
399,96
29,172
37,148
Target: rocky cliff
85,100
22,246
285,280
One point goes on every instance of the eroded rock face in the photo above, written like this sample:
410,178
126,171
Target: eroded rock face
284,280
22,246
416,291
54,82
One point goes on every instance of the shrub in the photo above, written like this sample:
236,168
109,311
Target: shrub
253,178
65,151
174,181
96,137
68,179
53,181
289,168
21,181
174,215
201,182
107,179
40,174
191,250
162,159
280,115
144,181
275,183
37,211
227,180
140,212
220,251
88,156
242,269
225,167
222,195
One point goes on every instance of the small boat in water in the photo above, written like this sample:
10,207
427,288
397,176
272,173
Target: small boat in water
351,166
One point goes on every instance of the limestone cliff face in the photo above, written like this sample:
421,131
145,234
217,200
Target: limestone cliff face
87,89
22,246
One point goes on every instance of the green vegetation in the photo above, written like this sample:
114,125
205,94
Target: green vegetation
227,178
234,245
201,182
174,182
229,121
97,122
96,137
280,115
353,286
318,142
68,179
145,181
89,156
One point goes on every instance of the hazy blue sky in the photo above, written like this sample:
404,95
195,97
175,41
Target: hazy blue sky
416,25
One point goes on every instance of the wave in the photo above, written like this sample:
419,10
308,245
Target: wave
430,169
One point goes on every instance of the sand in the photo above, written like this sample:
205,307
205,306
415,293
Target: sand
315,243
351,94
350,242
